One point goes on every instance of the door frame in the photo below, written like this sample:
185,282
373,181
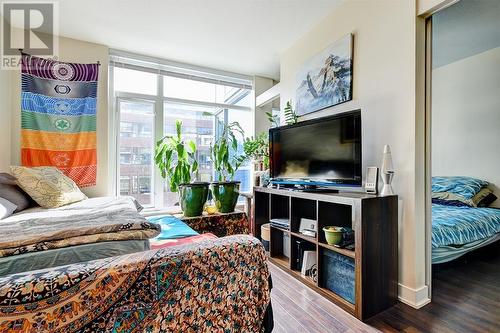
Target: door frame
425,28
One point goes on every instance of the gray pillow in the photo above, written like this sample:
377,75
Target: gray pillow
6,178
13,193
6,208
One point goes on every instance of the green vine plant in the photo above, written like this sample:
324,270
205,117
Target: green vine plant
291,117
257,148
176,159
224,152
273,119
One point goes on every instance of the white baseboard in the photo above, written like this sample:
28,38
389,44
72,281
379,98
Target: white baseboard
415,298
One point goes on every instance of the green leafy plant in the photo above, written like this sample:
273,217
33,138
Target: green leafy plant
224,152
290,116
273,119
257,148
176,159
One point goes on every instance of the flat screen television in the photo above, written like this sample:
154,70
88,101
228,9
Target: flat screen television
320,152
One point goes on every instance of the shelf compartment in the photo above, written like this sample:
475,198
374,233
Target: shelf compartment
302,208
261,211
332,214
307,238
280,207
279,246
306,279
337,274
297,248
345,252
280,260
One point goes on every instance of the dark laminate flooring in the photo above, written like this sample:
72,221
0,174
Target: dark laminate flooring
466,298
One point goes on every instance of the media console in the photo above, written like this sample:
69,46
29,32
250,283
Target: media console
363,281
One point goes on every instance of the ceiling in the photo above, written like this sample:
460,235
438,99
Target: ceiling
243,36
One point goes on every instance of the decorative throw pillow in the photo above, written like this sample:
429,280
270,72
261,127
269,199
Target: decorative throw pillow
6,208
484,198
48,186
466,187
488,200
13,193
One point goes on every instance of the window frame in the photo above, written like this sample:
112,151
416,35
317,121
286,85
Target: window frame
131,99
158,100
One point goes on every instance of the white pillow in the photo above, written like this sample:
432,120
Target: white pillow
6,208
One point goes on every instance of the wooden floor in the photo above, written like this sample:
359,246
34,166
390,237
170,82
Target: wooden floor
466,298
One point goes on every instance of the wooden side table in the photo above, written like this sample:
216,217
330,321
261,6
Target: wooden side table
219,224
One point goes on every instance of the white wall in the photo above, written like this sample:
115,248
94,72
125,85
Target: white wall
72,50
5,116
261,84
427,7
384,89
466,118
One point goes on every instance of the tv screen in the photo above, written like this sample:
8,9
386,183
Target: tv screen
323,151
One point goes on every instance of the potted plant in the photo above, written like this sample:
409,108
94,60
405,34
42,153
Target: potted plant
257,149
224,153
177,162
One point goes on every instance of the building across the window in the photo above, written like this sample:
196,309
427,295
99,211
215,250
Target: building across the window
146,113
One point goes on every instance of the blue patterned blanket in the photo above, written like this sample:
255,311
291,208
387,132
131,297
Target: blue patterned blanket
462,225
171,227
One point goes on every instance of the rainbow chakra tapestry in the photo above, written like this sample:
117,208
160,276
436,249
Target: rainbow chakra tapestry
58,117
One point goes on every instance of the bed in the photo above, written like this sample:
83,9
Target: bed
186,282
457,230
216,285
87,230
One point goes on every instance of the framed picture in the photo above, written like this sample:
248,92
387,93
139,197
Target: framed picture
325,79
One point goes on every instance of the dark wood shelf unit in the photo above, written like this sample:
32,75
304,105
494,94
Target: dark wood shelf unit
345,252
373,263
304,237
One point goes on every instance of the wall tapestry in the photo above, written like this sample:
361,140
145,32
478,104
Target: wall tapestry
325,79
58,117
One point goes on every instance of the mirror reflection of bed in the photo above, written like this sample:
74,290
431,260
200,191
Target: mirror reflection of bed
465,157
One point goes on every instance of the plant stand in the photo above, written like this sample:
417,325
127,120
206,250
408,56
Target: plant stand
219,224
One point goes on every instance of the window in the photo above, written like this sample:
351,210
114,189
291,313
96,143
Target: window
198,125
245,119
150,98
189,89
136,148
125,185
133,81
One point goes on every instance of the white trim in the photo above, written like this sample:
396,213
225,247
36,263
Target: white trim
415,298
178,67
124,94
112,138
427,153
268,96
200,103
157,180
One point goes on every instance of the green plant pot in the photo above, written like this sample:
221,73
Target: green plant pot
226,195
333,235
192,197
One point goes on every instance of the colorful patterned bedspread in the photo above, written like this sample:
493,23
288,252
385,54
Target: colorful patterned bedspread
461,225
220,224
218,285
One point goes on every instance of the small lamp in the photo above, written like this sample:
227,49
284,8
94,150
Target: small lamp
387,172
